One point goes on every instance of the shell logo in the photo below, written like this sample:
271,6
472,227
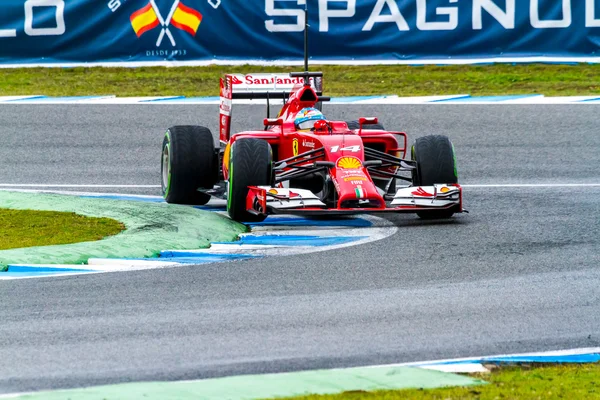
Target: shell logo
445,189
226,156
273,191
349,163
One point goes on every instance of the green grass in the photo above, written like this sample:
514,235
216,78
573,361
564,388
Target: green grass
548,79
570,382
24,228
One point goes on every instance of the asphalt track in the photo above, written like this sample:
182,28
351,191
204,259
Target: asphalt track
518,274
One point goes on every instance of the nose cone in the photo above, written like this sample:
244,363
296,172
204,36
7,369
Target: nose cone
354,186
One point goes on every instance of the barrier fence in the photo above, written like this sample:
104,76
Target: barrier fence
343,31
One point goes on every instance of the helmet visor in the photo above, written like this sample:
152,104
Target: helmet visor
306,124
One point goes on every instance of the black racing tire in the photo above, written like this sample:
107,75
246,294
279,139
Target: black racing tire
352,125
189,162
436,163
250,164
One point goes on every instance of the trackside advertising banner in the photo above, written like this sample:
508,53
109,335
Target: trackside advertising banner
93,31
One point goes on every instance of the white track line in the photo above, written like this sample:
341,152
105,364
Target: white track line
35,185
84,186
533,185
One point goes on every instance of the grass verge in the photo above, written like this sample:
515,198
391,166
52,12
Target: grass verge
567,381
498,79
25,228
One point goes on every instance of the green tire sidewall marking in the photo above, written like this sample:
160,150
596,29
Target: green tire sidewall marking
229,194
454,158
168,183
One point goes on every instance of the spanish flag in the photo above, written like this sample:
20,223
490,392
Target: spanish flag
144,20
186,19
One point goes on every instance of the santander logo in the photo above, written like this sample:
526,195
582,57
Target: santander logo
421,193
267,79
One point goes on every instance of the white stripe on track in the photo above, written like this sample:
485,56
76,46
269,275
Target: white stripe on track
533,185
35,185
107,186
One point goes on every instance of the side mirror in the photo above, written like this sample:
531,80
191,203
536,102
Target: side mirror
367,121
321,125
273,122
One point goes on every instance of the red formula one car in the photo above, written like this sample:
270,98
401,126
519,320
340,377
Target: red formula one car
301,163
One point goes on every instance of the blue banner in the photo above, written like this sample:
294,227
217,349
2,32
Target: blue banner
93,31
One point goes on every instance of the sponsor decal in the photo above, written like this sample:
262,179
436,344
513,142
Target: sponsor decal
268,79
421,192
307,143
360,193
445,189
226,156
226,106
355,178
290,194
349,163
352,149
350,172
295,147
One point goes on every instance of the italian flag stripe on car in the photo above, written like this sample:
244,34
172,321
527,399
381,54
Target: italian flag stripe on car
359,193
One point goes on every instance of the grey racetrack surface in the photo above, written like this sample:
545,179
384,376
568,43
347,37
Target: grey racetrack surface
520,273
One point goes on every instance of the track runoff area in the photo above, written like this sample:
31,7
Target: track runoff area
510,160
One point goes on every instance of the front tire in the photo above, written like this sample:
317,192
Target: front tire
250,165
436,163
188,162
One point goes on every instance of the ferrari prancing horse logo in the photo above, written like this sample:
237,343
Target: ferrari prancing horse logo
295,147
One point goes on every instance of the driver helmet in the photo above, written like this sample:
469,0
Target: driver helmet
306,118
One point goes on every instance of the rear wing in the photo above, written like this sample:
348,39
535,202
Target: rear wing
260,86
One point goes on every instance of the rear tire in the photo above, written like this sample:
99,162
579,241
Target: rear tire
352,125
188,162
250,165
436,163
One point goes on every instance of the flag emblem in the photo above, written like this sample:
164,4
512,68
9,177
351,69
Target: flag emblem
360,193
144,19
186,18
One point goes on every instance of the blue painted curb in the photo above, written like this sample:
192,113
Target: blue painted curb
194,259
42,270
580,358
476,99
293,240
177,255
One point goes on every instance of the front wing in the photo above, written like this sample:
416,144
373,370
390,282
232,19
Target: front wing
265,200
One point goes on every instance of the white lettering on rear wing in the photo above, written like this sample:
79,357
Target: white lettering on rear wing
276,83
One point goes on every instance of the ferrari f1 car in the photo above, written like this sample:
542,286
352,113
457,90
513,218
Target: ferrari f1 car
302,163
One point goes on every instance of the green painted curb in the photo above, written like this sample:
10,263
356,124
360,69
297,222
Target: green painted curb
247,387
150,228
